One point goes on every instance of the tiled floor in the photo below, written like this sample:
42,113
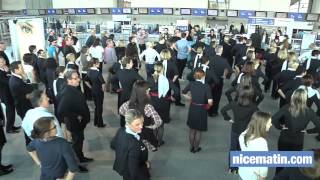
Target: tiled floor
173,161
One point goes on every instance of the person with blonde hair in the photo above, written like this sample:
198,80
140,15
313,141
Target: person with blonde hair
170,70
150,56
254,139
71,65
291,57
292,119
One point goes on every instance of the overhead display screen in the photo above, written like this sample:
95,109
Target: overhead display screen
185,11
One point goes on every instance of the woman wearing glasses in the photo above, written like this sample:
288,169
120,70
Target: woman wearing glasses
53,154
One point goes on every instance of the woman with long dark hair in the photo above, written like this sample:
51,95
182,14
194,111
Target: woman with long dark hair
201,100
292,119
140,100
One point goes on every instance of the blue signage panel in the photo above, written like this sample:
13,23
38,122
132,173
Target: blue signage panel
116,11
296,16
81,11
261,21
51,11
156,11
199,12
246,14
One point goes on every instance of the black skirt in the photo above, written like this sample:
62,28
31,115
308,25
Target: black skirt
162,106
197,118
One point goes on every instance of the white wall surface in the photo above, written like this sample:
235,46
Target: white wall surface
13,4
170,3
316,6
261,5
83,3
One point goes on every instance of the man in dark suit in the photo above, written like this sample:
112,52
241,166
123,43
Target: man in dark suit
6,97
4,169
223,70
19,89
74,111
123,82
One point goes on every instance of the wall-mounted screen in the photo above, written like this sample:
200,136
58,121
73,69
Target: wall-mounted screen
212,12
261,14
42,12
232,13
185,11
59,11
143,10
222,12
105,10
312,17
168,11
281,15
126,11
91,11
271,14
71,11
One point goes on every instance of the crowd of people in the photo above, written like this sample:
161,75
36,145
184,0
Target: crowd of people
65,76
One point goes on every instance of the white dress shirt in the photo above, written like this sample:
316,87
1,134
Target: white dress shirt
33,115
150,55
97,52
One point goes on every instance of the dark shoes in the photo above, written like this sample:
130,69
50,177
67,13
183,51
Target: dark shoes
86,160
195,150
160,143
14,130
101,126
213,115
83,169
5,169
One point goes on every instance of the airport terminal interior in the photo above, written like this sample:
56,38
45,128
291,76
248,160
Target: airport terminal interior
160,89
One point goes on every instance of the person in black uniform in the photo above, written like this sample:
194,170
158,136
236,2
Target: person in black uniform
68,48
292,119
222,68
242,110
285,76
161,45
239,50
74,112
98,87
227,47
134,165
51,66
20,90
270,58
171,72
4,169
312,65
132,51
287,90
123,82
41,64
6,97
161,98
200,100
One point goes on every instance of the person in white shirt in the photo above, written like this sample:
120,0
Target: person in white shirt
254,139
97,51
40,100
150,55
307,55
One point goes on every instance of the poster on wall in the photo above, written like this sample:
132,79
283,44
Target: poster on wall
26,32
182,25
117,27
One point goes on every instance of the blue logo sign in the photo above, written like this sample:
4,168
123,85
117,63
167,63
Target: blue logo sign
81,11
261,21
156,11
246,14
199,12
51,11
116,11
297,16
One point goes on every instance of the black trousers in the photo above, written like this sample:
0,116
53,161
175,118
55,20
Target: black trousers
216,96
98,102
86,90
178,93
1,147
181,64
78,138
10,114
142,47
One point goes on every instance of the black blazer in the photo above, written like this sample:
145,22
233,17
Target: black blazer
5,94
71,104
96,79
19,89
131,156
